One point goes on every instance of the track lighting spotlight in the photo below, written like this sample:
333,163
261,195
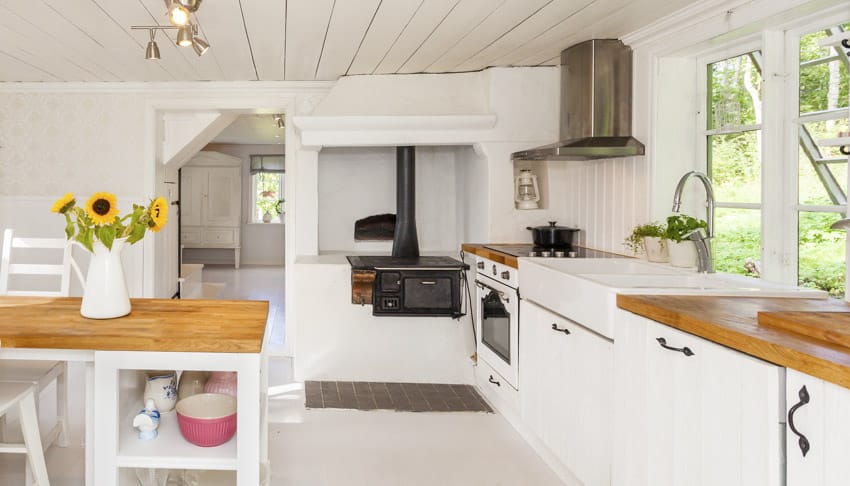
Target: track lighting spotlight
177,14
152,51
200,46
184,36
280,121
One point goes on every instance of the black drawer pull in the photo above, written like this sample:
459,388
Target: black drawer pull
493,381
845,43
802,441
555,328
686,350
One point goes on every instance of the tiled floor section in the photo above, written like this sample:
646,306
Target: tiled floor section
406,397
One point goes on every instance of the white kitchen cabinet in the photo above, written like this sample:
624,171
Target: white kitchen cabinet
693,412
821,414
566,390
210,208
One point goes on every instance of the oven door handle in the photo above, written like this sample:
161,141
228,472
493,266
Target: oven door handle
501,294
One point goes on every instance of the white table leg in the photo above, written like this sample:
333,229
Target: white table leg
89,435
248,420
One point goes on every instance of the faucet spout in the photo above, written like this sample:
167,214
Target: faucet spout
706,260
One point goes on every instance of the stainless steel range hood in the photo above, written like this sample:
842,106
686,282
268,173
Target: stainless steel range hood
596,105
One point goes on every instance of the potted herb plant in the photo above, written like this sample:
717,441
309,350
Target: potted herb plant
651,239
683,252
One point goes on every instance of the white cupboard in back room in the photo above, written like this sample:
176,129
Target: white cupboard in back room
692,412
211,208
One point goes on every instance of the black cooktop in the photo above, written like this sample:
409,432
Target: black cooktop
537,251
379,262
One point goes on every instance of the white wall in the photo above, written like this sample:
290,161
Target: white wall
359,182
262,243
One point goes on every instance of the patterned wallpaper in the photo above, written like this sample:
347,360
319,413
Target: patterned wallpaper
52,143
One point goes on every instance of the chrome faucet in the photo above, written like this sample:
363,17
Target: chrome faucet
705,261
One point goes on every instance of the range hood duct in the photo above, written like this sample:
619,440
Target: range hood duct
405,239
596,105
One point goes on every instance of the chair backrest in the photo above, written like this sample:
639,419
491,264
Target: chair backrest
63,270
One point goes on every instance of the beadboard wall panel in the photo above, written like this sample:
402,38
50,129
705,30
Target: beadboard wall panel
78,142
606,199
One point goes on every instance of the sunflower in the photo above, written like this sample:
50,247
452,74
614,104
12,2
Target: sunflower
64,203
102,208
158,213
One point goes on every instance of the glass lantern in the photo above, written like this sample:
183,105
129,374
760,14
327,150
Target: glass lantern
526,192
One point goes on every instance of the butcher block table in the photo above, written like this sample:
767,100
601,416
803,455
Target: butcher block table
158,334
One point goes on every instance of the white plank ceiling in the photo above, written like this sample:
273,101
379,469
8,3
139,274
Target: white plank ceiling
299,40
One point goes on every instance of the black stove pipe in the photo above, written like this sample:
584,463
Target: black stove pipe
405,240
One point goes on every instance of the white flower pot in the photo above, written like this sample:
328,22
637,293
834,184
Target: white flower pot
683,254
656,249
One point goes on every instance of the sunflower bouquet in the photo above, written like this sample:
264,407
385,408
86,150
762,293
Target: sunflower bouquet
100,219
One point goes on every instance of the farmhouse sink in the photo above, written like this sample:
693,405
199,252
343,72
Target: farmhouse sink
719,284
585,290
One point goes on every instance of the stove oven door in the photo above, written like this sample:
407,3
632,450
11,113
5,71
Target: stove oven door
498,312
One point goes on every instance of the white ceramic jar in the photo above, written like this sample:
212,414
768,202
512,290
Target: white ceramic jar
161,387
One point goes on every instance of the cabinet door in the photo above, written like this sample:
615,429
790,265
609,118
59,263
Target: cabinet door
692,412
192,184
821,414
566,390
222,203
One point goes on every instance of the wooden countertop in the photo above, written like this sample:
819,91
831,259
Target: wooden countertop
734,322
496,256
206,326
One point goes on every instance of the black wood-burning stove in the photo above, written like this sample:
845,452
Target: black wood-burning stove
406,284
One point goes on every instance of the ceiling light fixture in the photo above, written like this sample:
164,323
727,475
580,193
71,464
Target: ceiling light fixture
178,15
152,51
280,121
184,36
200,46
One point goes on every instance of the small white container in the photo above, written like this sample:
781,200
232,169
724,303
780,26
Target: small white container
682,253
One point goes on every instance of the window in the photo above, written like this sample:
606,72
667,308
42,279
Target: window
822,170
733,143
784,222
267,177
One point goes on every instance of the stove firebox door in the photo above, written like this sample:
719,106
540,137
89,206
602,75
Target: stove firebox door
422,293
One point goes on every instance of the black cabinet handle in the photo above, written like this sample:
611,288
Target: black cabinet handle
686,350
844,149
491,380
845,43
802,441
555,328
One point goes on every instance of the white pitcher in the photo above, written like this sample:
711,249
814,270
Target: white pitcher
105,295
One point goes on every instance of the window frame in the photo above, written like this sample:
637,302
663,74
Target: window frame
259,220
780,209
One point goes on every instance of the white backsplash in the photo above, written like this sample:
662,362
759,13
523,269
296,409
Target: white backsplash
606,199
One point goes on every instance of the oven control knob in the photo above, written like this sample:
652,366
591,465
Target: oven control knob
480,265
506,275
494,270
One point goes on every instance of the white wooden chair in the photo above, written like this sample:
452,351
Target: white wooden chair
39,373
23,395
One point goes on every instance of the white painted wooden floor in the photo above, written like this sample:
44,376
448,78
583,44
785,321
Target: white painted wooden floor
341,447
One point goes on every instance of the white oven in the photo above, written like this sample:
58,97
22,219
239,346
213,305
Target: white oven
497,318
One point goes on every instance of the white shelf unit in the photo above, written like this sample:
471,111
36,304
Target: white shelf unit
118,397
170,450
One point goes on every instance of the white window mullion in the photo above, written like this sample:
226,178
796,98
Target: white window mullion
779,227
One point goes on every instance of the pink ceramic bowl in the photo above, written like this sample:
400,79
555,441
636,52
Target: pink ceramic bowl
207,419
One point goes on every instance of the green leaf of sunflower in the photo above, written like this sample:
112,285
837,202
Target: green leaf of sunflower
85,238
137,233
106,235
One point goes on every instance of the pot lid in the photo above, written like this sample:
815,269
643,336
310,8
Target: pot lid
552,226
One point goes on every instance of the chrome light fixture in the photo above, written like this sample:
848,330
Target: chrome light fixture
178,15
280,121
184,36
152,51
200,46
